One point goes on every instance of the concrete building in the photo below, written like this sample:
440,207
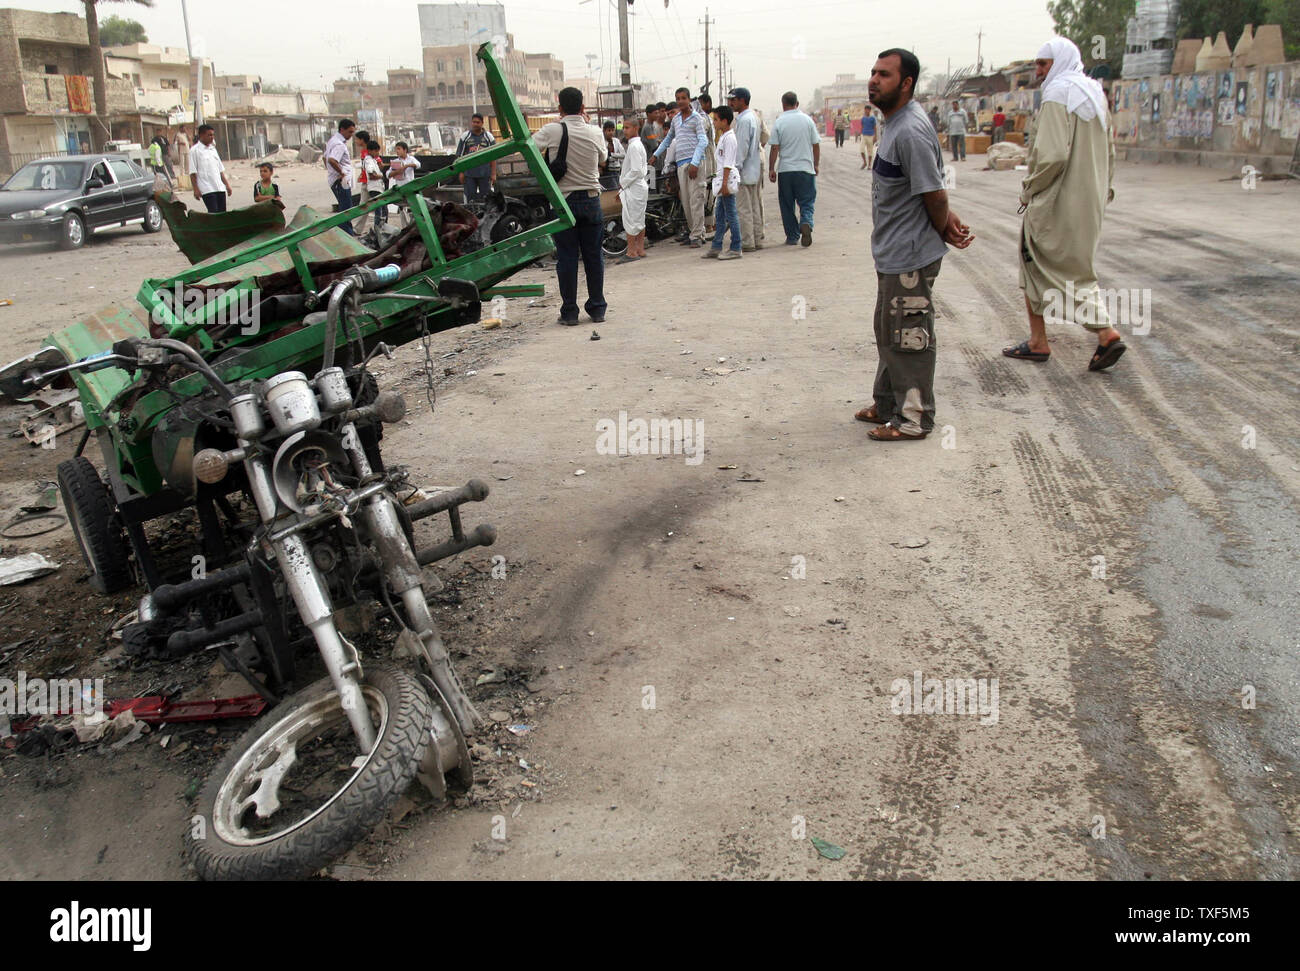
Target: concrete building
454,83
847,92
162,80
545,79
47,88
406,94
452,24
588,88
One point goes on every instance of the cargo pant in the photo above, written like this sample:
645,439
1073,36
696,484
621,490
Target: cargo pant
751,214
904,325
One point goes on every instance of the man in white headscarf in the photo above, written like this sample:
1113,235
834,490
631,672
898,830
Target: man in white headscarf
1071,170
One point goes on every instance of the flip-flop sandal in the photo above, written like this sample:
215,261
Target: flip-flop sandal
1021,352
869,414
1107,354
888,433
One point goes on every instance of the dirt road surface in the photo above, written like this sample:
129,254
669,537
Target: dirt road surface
711,651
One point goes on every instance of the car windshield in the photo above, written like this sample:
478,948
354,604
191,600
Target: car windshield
46,175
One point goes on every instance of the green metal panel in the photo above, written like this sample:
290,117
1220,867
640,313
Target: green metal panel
309,239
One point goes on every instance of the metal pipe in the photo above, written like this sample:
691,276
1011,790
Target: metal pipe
476,490
172,595
185,641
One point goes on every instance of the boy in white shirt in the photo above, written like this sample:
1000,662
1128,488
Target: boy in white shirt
401,171
726,185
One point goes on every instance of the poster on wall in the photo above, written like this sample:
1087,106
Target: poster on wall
1155,107
1225,85
1242,88
1272,105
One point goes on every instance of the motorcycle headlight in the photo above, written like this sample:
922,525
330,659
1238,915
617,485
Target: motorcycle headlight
29,214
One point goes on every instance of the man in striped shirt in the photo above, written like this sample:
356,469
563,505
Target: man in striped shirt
688,140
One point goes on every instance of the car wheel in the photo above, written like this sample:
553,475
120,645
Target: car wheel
73,232
153,217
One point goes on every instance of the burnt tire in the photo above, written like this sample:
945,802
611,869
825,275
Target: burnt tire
94,524
348,816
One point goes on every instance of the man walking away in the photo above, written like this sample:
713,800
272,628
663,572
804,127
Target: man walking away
478,181
581,188
181,157
796,159
911,225
1064,196
156,160
868,137
338,169
999,125
725,185
688,140
749,160
957,131
211,186
841,127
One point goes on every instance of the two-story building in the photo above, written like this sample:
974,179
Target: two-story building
47,88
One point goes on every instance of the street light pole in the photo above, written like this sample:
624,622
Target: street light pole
198,88
473,92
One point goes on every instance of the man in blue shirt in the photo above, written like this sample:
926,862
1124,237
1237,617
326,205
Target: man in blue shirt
796,159
868,136
749,159
688,141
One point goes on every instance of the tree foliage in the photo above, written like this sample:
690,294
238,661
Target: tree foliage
1087,21
116,31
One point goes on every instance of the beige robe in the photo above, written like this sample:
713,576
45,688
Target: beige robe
1071,172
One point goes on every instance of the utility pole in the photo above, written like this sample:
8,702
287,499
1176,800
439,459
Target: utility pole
473,89
979,52
706,22
721,74
624,57
198,85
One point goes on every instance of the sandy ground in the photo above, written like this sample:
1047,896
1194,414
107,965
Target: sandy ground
708,651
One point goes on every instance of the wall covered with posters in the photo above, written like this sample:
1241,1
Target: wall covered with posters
1237,111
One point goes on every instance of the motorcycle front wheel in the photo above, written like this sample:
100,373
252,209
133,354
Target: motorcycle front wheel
293,794
614,242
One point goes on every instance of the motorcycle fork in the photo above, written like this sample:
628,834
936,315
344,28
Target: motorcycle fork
402,573
311,596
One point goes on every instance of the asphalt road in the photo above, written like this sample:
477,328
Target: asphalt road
715,646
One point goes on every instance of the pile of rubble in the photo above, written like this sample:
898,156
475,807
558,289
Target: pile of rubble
1006,155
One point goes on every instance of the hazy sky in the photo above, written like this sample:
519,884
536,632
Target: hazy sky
311,42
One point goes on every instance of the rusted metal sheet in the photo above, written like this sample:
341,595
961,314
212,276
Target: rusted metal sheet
200,235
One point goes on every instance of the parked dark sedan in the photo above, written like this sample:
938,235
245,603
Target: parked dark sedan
65,198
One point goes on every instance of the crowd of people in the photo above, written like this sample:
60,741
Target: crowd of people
714,159
913,226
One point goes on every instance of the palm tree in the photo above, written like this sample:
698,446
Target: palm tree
97,69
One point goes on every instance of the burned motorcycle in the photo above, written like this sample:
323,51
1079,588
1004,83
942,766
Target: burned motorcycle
271,434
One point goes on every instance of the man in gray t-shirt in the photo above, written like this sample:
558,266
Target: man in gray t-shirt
912,228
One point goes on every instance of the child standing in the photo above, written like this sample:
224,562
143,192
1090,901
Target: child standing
264,190
726,183
402,171
633,192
